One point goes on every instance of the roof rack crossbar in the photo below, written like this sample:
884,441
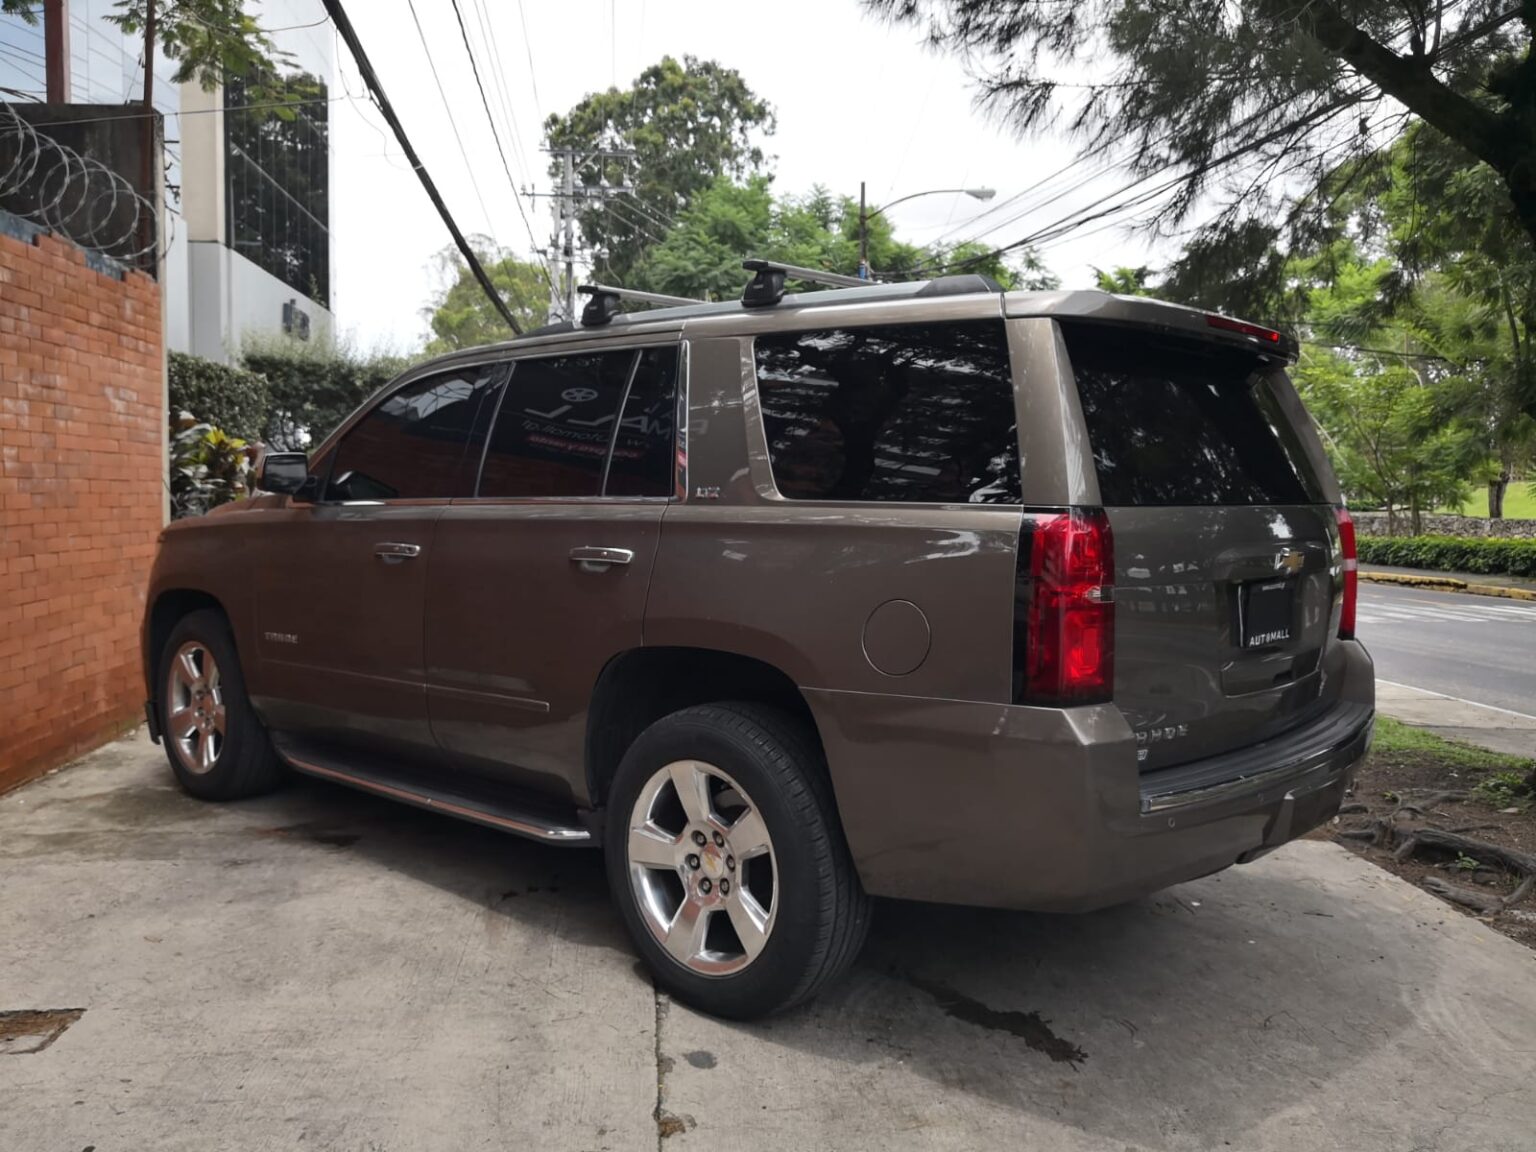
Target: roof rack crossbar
604,305
767,285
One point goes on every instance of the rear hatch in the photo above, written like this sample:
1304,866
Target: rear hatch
1225,540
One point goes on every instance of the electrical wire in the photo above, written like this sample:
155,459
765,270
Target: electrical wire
490,226
495,135
533,78
386,109
499,82
1087,214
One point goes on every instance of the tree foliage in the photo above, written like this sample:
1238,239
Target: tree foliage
460,314
1254,100
687,124
701,256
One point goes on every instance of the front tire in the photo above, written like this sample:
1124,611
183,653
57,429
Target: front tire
727,860
217,747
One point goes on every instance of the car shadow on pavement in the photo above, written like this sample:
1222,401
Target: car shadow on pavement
543,887
1218,1007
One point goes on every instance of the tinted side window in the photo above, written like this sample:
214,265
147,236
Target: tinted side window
1181,422
551,435
913,413
420,442
643,463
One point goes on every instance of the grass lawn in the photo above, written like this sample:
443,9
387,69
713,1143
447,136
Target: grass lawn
1394,738
1519,503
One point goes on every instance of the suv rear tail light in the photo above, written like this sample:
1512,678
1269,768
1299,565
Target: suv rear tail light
1351,574
1064,611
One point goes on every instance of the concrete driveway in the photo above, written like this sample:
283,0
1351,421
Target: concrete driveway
323,969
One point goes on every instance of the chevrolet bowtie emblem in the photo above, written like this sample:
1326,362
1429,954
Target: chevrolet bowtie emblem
1289,561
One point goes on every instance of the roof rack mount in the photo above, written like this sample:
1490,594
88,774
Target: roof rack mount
767,285
604,305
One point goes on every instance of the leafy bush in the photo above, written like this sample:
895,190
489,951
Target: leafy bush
1451,553
208,467
1506,789
232,399
314,388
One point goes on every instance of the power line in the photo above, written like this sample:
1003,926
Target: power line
635,221
344,26
499,82
533,77
495,135
1389,352
1086,215
490,224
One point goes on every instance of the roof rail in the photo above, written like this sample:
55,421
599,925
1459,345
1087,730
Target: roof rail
767,286
604,305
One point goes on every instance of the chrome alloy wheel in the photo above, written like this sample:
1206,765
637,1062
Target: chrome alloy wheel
195,716
702,869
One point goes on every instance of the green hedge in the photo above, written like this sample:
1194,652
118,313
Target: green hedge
313,390
230,399
1452,554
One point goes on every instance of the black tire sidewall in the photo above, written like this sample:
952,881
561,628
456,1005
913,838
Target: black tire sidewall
803,869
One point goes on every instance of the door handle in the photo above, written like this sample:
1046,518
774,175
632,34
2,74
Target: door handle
593,559
394,553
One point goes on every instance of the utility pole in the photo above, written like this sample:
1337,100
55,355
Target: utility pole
565,202
863,236
56,49
568,240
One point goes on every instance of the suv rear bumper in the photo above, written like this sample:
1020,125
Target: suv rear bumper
1044,809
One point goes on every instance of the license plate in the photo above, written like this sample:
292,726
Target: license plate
1268,612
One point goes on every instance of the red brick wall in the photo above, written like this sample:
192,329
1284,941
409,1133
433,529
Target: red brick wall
82,428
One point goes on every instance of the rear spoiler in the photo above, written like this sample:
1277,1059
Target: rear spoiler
1141,312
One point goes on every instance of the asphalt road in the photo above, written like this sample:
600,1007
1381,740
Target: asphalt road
1477,648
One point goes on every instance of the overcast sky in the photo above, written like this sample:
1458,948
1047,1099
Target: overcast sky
856,100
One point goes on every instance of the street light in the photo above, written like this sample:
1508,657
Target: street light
865,214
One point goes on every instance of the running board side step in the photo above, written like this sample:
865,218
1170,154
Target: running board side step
502,814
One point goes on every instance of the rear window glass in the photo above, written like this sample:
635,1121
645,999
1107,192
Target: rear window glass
915,413
1177,422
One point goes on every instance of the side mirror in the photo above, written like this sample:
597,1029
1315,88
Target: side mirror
285,473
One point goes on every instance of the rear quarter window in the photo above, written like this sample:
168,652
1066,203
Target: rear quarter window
912,413
1185,422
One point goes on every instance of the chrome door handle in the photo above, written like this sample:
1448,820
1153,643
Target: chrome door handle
394,553
594,559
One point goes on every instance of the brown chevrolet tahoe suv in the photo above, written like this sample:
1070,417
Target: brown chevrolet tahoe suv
1030,600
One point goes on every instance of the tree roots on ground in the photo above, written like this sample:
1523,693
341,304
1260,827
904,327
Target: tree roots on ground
1407,840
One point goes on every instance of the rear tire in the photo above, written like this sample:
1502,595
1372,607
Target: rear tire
217,747
740,938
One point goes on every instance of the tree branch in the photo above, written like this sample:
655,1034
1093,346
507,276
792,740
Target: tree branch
1411,82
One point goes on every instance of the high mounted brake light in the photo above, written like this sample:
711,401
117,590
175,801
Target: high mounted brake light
1064,611
1227,324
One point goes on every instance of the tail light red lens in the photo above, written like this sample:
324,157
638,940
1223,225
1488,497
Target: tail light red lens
1351,574
1064,615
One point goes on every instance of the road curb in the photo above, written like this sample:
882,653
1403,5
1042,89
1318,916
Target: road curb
1450,584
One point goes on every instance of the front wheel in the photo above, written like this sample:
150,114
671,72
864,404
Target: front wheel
728,863
217,747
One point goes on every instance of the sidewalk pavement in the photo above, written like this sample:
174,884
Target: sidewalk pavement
323,969
1475,583
1497,729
